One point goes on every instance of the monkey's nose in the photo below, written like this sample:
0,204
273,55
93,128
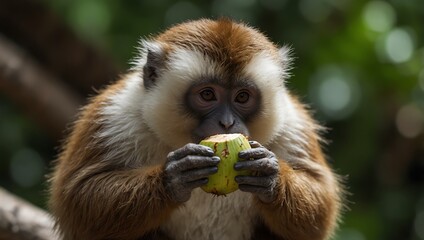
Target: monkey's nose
227,124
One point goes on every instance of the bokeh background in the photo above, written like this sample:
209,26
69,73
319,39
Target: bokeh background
359,64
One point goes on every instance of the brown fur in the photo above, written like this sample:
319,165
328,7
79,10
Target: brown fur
96,199
227,43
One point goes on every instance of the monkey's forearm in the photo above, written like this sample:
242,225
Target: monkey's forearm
307,204
122,204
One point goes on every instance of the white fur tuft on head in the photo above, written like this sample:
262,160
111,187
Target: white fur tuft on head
145,46
286,56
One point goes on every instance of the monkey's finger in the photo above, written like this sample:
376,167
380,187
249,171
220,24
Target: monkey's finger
190,149
193,175
255,153
254,144
264,182
264,194
197,183
254,189
192,162
263,166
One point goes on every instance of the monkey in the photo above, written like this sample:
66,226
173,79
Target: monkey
132,166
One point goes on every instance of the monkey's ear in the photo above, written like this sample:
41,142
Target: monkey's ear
154,63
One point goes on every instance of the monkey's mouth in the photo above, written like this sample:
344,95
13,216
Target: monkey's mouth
197,139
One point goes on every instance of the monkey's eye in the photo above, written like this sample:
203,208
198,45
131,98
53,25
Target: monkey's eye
208,95
242,97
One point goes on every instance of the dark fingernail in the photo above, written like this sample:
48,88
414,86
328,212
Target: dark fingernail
205,181
237,166
209,150
216,159
237,178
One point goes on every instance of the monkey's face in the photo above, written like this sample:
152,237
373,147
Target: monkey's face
221,107
198,82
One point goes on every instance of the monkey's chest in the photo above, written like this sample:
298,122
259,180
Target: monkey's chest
206,216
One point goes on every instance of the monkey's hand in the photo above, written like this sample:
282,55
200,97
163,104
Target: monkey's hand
187,168
265,166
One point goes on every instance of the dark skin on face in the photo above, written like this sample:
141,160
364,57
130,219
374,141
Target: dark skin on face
221,109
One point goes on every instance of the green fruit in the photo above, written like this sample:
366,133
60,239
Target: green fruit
226,147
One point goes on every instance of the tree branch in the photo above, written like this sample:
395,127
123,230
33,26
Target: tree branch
37,29
19,220
42,96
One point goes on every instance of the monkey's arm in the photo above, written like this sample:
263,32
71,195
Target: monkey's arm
306,206
100,203
296,200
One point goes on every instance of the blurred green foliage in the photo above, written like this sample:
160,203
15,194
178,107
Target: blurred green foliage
359,64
